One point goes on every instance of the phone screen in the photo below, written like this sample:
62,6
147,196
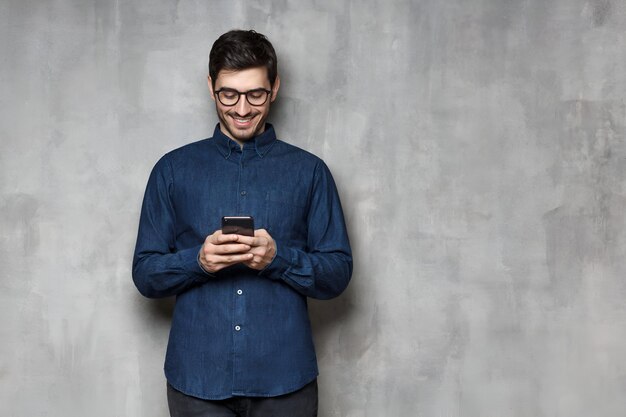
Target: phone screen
238,225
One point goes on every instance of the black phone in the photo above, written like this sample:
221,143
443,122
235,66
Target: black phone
238,225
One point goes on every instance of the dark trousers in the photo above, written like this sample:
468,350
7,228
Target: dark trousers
301,403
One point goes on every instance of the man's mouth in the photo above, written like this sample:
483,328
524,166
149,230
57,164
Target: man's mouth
242,122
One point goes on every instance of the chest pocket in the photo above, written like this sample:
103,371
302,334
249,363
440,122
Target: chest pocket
286,216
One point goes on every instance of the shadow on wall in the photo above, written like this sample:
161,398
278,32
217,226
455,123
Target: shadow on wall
160,310
326,315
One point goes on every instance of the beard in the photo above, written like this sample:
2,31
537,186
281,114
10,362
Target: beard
242,128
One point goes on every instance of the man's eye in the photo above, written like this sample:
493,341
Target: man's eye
229,94
256,94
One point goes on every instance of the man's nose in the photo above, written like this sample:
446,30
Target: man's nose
242,107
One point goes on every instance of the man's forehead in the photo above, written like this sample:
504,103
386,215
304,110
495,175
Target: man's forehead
255,75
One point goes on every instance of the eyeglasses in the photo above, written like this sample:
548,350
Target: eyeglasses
230,96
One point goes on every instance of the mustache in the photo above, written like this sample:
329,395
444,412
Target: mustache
250,113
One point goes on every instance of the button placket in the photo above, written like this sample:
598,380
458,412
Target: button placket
239,318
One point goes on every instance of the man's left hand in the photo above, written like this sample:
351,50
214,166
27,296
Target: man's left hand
263,249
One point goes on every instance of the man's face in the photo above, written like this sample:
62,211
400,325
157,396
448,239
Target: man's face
243,121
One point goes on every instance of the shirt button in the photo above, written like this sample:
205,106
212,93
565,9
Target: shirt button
239,292
237,328
243,193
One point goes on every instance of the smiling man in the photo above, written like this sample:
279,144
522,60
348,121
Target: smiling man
242,120
240,342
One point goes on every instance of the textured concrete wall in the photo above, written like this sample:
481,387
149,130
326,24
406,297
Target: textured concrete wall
479,147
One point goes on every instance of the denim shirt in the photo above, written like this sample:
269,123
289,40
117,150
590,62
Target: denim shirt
241,332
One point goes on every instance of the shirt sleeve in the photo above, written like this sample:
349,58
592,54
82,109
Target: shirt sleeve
324,268
160,269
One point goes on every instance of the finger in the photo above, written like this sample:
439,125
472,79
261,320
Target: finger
254,263
215,259
264,236
233,259
212,238
221,239
246,240
230,248
261,232
260,241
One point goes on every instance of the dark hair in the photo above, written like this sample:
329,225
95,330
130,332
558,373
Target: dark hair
242,49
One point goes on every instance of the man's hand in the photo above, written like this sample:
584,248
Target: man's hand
262,247
220,251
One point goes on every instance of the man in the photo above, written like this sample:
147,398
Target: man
240,342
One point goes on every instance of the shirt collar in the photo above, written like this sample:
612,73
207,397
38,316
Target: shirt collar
261,143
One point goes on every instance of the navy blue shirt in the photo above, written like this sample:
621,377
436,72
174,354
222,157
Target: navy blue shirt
241,331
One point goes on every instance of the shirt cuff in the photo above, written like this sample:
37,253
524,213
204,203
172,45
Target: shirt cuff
199,268
280,263
191,263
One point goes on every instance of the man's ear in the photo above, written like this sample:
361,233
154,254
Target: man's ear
275,88
211,88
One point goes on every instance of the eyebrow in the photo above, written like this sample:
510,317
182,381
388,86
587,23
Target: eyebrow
234,89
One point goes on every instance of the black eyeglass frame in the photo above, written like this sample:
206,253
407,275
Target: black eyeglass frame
268,94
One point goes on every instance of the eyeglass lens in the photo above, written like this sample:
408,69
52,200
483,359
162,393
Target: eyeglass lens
230,97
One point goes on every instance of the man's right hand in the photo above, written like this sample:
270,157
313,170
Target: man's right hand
220,251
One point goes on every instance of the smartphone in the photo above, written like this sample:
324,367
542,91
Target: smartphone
238,225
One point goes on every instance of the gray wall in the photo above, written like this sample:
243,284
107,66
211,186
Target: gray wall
479,151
